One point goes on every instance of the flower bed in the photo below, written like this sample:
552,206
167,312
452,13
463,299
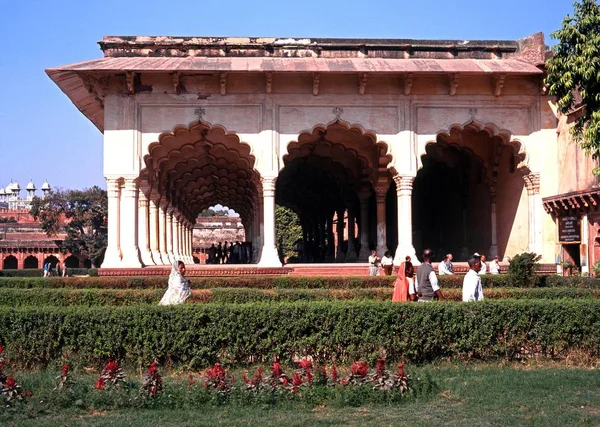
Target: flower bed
202,334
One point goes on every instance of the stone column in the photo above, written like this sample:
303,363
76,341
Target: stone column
169,235
144,229
269,257
340,255
162,234
154,233
364,196
584,246
532,183
404,195
330,257
351,252
380,193
494,247
176,237
129,218
112,257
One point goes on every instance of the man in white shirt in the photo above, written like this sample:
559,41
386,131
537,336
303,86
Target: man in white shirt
443,267
472,290
483,269
495,265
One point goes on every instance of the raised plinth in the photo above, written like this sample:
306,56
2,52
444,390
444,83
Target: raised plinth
198,271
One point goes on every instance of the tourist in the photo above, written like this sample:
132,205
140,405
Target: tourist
449,265
484,269
443,267
387,262
64,270
219,253
404,285
179,286
373,263
427,286
472,290
495,265
225,258
212,254
46,269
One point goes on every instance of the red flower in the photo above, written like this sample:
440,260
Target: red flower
400,370
380,367
276,371
285,381
152,369
360,369
245,379
10,383
1,349
99,385
297,382
257,377
65,370
305,364
334,374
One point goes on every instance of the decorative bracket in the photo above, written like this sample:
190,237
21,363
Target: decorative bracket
338,111
199,112
130,79
453,83
223,83
362,83
177,84
498,84
269,86
315,90
408,81
98,87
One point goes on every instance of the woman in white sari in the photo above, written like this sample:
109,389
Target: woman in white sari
179,287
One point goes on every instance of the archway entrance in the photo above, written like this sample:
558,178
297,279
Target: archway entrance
466,175
72,262
10,263
31,262
328,180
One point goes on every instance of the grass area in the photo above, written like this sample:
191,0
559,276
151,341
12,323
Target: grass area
473,395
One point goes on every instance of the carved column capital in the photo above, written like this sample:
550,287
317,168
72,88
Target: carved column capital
404,184
268,184
380,193
130,188
532,183
113,187
364,194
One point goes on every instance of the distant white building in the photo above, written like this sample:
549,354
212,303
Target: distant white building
10,196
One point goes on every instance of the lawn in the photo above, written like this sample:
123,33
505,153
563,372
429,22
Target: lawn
483,394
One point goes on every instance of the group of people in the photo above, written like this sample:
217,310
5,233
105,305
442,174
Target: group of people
230,253
57,270
446,267
424,287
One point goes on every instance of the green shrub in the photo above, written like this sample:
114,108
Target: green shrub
522,267
238,334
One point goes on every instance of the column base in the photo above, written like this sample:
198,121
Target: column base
171,257
147,259
131,258
269,258
112,259
157,258
402,252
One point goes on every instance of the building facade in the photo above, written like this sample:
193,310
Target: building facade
443,144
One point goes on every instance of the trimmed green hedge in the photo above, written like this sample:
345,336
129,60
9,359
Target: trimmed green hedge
238,334
277,282
118,297
38,272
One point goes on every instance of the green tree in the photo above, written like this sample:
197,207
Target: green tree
82,214
287,231
574,73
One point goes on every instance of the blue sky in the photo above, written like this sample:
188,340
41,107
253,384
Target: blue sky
43,135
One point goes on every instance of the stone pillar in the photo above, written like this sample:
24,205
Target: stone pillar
404,195
330,257
494,247
364,196
112,257
162,234
129,217
144,229
351,252
340,255
584,246
154,232
380,193
269,257
176,237
169,235
532,183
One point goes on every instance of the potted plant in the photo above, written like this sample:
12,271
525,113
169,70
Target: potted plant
567,268
596,268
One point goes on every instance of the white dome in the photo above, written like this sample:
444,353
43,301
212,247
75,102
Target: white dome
8,188
45,185
16,186
31,185
2,193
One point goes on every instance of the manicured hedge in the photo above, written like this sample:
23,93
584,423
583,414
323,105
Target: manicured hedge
38,272
118,297
238,334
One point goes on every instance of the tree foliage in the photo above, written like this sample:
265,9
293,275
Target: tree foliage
210,212
288,231
574,71
82,214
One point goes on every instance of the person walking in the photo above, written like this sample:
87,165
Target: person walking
483,269
179,286
443,267
472,290
387,262
404,285
427,285
449,265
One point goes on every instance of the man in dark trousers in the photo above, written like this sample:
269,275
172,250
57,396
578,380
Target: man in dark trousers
427,283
